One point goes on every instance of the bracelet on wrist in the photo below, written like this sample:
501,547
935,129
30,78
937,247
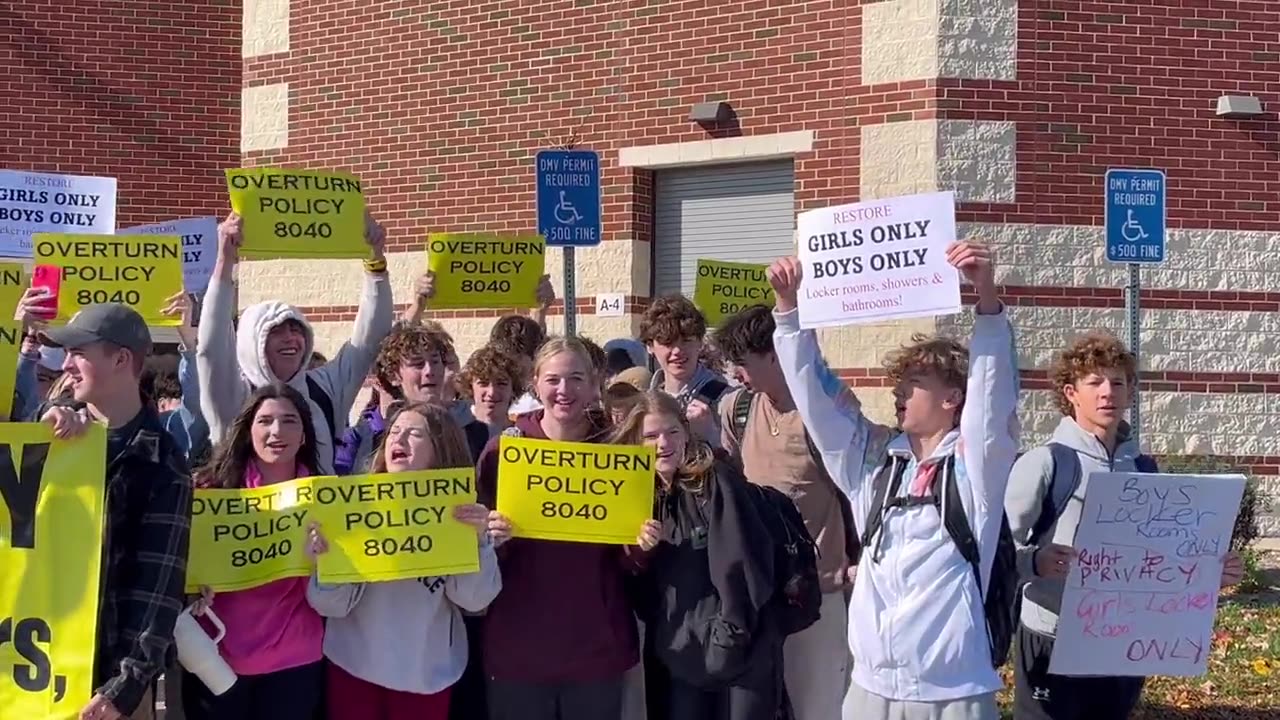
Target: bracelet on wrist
375,266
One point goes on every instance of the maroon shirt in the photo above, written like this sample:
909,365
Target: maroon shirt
562,615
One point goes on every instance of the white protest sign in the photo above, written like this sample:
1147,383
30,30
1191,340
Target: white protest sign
199,247
879,260
39,202
1143,591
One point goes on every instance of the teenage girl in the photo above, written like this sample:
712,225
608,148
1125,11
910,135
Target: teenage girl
274,636
560,637
396,648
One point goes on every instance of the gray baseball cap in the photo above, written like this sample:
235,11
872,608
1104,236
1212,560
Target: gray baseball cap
106,322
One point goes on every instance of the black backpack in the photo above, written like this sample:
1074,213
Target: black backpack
999,603
797,596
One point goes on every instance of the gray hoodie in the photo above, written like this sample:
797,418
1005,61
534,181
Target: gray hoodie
231,364
1027,496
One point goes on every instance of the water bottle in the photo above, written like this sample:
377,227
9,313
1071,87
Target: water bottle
198,653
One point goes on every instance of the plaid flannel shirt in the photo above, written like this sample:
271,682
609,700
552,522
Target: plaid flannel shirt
144,569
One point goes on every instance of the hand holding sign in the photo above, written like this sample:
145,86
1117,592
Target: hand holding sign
66,423
546,293
475,515
499,528
376,235
230,236
1054,561
180,305
785,275
650,535
974,261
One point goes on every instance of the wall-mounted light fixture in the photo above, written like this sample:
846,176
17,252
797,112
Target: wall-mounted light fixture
711,112
1239,107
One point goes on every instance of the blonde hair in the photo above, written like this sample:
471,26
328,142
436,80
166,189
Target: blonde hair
560,345
698,457
449,446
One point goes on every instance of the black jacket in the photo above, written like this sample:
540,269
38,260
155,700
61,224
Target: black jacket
712,581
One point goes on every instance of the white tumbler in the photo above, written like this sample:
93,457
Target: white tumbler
198,653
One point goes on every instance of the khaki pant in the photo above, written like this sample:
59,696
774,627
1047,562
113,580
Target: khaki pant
816,662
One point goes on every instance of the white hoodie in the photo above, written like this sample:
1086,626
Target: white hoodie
405,635
916,623
231,364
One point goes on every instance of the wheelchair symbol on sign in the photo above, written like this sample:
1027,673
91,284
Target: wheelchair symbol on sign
566,213
1131,231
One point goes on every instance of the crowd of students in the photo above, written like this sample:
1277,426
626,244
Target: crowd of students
683,624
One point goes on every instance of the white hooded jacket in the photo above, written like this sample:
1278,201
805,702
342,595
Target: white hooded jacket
231,364
916,623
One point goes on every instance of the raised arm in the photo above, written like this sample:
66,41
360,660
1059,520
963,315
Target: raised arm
345,373
830,411
989,422
222,391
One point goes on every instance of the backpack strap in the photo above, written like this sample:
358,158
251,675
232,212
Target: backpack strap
886,484
1065,476
325,403
742,404
956,521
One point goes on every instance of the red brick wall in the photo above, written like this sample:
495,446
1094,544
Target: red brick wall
148,92
1111,84
440,109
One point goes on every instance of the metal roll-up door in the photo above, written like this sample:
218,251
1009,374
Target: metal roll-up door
741,212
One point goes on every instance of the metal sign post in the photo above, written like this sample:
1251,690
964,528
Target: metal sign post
1135,218
569,212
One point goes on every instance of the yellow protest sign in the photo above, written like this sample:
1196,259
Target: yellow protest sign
298,213
13,282
578,492
396,525
141,271
485,271
726,288
243,538
51,524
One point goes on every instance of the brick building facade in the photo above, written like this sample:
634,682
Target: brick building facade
1019,108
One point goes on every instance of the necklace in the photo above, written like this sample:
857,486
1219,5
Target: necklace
773,426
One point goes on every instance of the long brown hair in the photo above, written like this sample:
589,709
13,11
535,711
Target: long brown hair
448,443
232,456
698,457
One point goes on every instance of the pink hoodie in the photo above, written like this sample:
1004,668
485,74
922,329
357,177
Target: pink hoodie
271,627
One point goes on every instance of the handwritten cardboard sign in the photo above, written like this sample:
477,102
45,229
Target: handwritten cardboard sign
1143,591
879,260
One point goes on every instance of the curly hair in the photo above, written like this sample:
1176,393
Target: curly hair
519,332
492,364
670,319
407,342
1094,352
942,357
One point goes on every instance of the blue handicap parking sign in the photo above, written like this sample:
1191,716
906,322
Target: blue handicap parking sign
569,197
1135,215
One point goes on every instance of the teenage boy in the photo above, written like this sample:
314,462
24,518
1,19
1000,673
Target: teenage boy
273,342
673,330
917,629
760,425
148,505
1093,379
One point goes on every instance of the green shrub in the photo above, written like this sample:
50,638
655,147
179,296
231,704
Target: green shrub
1252,504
